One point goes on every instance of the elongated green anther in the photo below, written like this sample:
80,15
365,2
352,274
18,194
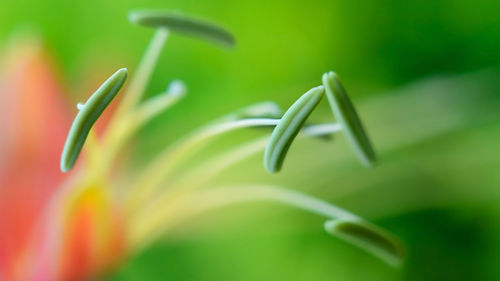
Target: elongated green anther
368,237
182,24
88,115
346,115
288,128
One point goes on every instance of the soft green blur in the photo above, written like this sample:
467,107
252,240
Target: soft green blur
424,76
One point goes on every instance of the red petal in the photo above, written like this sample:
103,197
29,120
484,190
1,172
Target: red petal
34,122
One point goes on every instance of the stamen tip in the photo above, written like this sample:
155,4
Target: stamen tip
329,75
123,71
176,88
64,167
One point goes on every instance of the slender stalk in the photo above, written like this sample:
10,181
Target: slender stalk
137,118
93,152
164,165
144,71
153,106
176,210
222,196
198,176
321,129
139,80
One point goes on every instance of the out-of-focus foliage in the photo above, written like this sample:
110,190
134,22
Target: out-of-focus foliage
424,77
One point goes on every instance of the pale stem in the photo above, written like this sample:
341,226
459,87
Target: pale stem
198,176
176,210
321,129
134,120
164,165
141,77
93,152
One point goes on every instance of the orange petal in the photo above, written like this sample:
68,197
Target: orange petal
34,123
92,237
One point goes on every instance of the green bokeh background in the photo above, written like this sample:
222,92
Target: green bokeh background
403,62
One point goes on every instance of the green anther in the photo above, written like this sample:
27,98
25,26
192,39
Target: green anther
368,237
288,128
88,115
346,115
182,24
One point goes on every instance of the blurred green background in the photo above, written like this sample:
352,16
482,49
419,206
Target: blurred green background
423,74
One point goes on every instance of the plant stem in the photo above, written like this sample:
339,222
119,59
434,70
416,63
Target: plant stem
321,129
163,166
143,73
137,85
176,210
134,120
195,178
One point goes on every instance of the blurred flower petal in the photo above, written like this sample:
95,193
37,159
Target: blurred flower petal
34,123
92,237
